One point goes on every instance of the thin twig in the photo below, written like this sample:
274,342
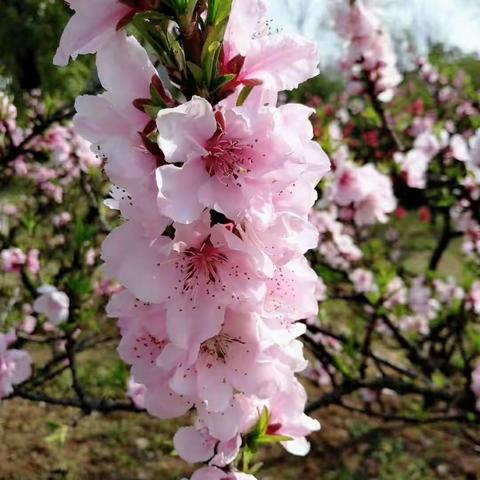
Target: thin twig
399,386
103,405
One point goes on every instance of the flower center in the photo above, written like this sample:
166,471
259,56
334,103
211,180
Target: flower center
217,347
227,159
347,179
201,265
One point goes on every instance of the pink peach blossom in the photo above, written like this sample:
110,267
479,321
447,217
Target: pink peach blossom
287,418
230,160
13,259
52,303
15,365
196,445
363,281
197,274
370,192
90,28
279,62
475,385
61,219
136,392
33,262
110,120
474,297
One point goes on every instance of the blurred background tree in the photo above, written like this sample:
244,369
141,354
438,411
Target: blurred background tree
29,33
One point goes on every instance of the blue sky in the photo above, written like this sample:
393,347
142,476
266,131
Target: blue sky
453,22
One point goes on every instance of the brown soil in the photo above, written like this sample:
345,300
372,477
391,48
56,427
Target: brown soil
125,446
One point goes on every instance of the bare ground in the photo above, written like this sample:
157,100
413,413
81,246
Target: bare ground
136,447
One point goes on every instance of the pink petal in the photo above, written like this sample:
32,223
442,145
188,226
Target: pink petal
161,402
213,386
189,323
131,259
178,191
281,62
93,24
184,130
126,72
194,446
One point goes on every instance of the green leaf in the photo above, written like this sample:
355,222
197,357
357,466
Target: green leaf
439,379
268,439
58,435
247,458
371,115
328,274
255,468
154,28
149,17
471,417
242,97
88,318
373,297
80,284
83,232
215,33
260,428
28,221
157,100
263,421
474,336
152,111
219,82
190,8
341,365
196,71
176,5
218,11
210,64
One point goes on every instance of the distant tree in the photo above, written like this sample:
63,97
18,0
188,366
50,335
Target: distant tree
29,32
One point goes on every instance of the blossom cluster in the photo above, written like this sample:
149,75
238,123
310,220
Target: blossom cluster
370,54
354,197
363,194
414,306
453,146
15,365
46,157
51,160
215,197
446,153
402,195
14,259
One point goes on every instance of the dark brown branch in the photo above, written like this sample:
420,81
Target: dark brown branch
400,387
443,241
379,108
365,351
342,339
37,130
93,201
412,352
94,405
76,384
390,417
323,356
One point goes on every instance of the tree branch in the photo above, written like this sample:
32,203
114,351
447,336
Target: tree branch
102,406
399,386
443,241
